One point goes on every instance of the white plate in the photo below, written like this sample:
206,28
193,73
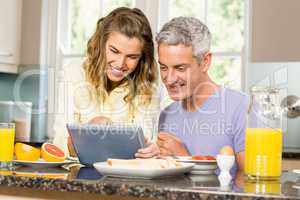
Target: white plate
202,167
107,170
42,163
189,159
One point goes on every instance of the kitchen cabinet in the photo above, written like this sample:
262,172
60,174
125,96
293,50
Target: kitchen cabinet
10,34
275,31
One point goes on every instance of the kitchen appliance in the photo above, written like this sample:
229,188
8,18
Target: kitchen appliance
18,113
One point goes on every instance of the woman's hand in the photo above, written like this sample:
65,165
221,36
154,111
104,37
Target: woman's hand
100,120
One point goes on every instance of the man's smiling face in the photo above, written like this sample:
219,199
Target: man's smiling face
180,71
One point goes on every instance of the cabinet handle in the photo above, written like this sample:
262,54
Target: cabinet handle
6,55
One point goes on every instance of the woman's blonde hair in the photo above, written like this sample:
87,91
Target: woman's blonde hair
134,24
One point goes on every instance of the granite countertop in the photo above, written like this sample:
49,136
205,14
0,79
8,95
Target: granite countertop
83,179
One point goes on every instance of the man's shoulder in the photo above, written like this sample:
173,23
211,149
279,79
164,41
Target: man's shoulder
171,112
236,93
172,107
237,102
236,97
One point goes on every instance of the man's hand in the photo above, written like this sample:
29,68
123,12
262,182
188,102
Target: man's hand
150,151
170,145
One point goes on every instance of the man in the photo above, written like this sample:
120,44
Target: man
205,116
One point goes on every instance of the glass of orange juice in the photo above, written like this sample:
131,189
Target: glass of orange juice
7,136
263,142
263,152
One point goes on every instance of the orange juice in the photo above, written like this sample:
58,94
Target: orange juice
263,150
7,135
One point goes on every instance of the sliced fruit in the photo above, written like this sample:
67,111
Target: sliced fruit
52,153
26,152
198,157
210,158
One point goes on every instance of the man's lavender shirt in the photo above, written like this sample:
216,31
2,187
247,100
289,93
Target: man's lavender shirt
220,121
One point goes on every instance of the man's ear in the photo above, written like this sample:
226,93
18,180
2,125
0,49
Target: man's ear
206,61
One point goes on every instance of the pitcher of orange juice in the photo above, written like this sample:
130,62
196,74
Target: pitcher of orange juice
263,143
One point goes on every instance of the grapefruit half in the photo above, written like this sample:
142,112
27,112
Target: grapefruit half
26,152
52,153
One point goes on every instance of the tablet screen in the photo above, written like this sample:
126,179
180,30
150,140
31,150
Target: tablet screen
97,142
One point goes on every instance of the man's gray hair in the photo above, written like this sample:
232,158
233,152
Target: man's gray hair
188,31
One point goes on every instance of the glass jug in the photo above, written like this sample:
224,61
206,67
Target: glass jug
263,143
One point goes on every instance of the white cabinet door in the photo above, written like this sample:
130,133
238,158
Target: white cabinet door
10,31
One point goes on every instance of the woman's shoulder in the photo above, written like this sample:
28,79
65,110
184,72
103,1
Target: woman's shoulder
74,72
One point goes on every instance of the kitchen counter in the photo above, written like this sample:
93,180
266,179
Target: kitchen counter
78,183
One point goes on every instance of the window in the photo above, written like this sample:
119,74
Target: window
79,22
225,20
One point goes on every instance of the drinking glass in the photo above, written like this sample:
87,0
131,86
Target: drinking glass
7,136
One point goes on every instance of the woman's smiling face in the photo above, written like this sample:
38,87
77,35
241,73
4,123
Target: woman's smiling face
122,55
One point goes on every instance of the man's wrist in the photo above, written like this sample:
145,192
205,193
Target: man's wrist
182,152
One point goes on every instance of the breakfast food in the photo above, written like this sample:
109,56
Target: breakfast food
200,157
151,163
226,150
52,153
26,152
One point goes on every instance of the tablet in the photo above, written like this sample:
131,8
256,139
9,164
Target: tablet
97,142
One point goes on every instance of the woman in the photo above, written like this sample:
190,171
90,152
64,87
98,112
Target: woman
117,82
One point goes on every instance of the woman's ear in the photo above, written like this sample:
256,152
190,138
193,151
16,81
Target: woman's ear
206,61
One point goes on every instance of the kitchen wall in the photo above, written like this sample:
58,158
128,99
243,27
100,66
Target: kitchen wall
31,73
32,88
6,86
